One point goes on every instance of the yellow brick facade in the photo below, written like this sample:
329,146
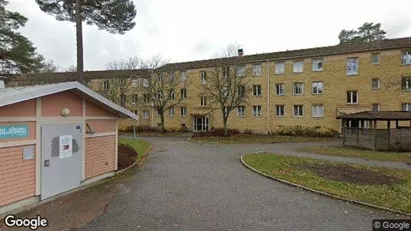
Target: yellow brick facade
336,83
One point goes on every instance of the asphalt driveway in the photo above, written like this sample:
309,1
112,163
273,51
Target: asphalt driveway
188,186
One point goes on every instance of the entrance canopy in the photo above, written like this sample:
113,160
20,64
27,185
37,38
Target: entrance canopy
200,111
379,115
351,110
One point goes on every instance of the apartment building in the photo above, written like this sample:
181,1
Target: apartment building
298,87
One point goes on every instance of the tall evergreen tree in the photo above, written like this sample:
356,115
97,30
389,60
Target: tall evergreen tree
115,16
17,53
368,32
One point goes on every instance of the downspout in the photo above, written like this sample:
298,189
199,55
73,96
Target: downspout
268,97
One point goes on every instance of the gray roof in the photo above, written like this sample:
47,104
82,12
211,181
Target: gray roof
14,95
378,115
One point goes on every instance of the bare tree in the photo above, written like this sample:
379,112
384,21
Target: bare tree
125,64
117,89
229,50
227,88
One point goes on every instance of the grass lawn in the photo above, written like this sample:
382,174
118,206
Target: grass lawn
360,153
140,146
379,186
249,139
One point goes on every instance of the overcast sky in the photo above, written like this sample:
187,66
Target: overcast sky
184,30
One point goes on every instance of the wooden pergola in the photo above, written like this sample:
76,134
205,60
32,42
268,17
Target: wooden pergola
368,133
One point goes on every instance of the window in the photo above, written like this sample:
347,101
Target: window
134,98
406,107
159,94
375,107
145,83
257,111
406,83
280,89
317,64
172,95
135,82
256,90
225,111
375,84
279,68
240,71
203,77
226,92
298,88
146,115
134,111
123,98
146,98
241,91
240,111
298,110
257,70
171,75
106,85
171,111
183,76
183,111
183,93
352,97
317,87
279,110
375,58
123,82
318,110
158,113
352,66
298,66
226,71
203,101
406,58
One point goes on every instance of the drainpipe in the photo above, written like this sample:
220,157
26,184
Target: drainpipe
268,97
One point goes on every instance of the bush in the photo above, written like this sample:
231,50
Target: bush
248,131
307,131
142,128
216,132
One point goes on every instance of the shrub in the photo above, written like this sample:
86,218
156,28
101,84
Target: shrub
299,130
142,128
248,131
216,132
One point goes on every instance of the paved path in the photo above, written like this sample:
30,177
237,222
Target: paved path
187,186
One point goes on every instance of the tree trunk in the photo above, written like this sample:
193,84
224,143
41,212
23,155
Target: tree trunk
225,126
163,127
79,37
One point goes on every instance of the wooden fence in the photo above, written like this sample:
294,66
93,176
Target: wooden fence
383,139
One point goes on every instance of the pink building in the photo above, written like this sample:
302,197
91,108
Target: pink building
54,138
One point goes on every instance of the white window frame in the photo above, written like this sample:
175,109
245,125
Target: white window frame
146,98
317,84
158,113
145,82
241,111
298,66
257,70
318,110
134,98
378,58
240,71
146,114
203,77
241,91
300,110
406,107
279,89
352,97
203,101
135,82
277,110
172,94
352,66
123,98
106,84
183,92
257,91
257,110
375,104
301,88
279,68
171,111
406,58
183,111
226,92
378,83
407,86
316,63
183,76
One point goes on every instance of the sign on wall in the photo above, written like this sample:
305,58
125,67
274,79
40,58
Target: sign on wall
14,131
66,146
